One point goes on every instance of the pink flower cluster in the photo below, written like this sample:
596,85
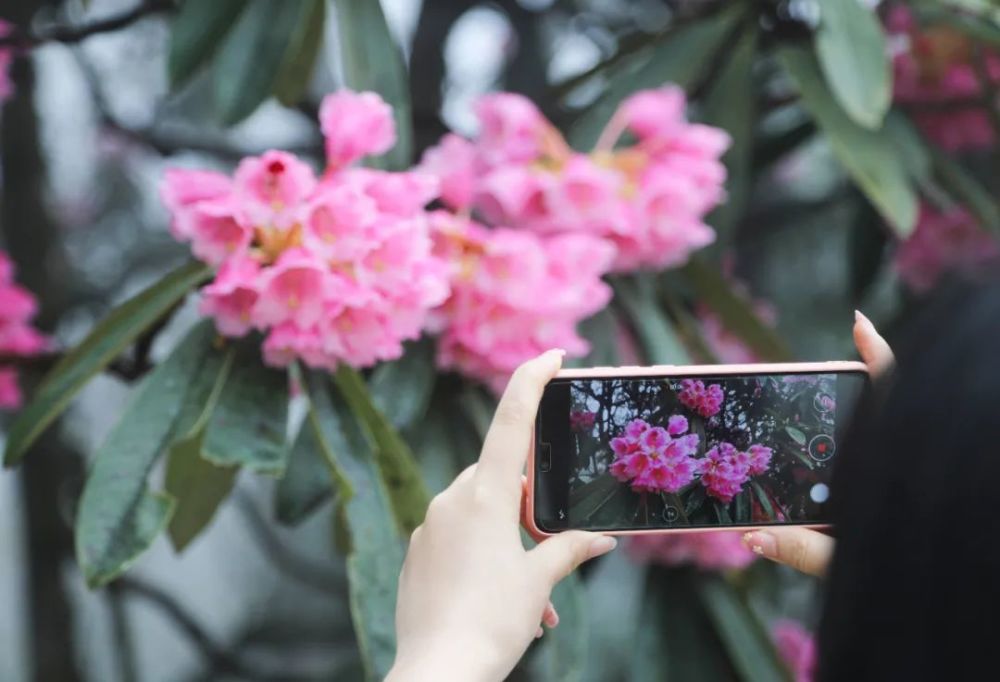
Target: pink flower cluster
934,67
513,295
653,458
714,551
582,420
17,336
648,200
705,400
333,269
944,241
724,469
6,58
797,648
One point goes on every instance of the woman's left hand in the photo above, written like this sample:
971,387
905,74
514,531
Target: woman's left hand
471,598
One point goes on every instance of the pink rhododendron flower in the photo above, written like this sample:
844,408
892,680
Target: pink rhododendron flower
648,200
513,295
355,125
333,270
935,65
582,420
724,470
654,459
705,400
797,649
17,336
717,550
454,161
942,242
6,58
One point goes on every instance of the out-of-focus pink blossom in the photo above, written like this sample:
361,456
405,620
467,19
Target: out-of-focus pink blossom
945,241
935,72
655,459
705,400
513,295
454,161
582,420
725,345
6,58
333,270
797,649
355,125
648,200
17,336
725,470
713,551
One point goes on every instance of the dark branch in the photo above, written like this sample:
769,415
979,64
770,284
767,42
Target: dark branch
24,40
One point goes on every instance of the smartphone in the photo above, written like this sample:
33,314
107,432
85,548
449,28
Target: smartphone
670,449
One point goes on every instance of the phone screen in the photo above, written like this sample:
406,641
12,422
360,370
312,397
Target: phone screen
689,452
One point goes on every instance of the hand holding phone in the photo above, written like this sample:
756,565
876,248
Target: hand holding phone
668,449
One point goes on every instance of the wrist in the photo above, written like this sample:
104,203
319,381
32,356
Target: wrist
455,660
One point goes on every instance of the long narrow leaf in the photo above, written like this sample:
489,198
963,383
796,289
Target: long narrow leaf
653,329
396,464
735,312
305,485
746,642
300,60
852,52
118,516
108,338
196,32
563,654
373,61
870,157
376,553
402,389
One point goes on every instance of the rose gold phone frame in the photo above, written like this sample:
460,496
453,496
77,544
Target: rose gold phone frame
660,371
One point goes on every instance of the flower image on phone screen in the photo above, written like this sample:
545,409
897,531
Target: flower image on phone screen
700,451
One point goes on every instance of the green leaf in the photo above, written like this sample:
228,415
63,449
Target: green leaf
119,517
655,333
306,483
601,332
105,341
869,157
587,499
742,512
722,514
373,61
852,52
765,501
250,422
681,58
796,435
402,389
376,553
396,464
614,599
198,486
297,71
563,652
250,60
747,643
730,105
197,30
734,311
967,190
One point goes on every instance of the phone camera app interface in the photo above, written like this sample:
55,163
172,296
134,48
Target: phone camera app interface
690,452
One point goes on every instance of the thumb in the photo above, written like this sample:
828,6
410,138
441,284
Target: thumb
558,556
873,349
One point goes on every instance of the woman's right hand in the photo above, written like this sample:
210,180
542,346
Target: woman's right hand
804,549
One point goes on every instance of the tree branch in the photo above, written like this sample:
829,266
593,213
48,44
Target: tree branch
24,40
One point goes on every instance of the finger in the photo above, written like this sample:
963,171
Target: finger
873,349
550,616
509,437
539,632
558,556
803,549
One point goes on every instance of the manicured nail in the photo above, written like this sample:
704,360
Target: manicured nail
601,545
860,317
559,351
761,543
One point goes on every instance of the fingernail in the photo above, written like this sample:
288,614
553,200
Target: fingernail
601,545
558,351
553,620
538,633
761,543
860,317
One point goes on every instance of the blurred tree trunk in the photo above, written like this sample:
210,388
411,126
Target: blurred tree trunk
50,471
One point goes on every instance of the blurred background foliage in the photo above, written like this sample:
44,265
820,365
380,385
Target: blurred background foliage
288,572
